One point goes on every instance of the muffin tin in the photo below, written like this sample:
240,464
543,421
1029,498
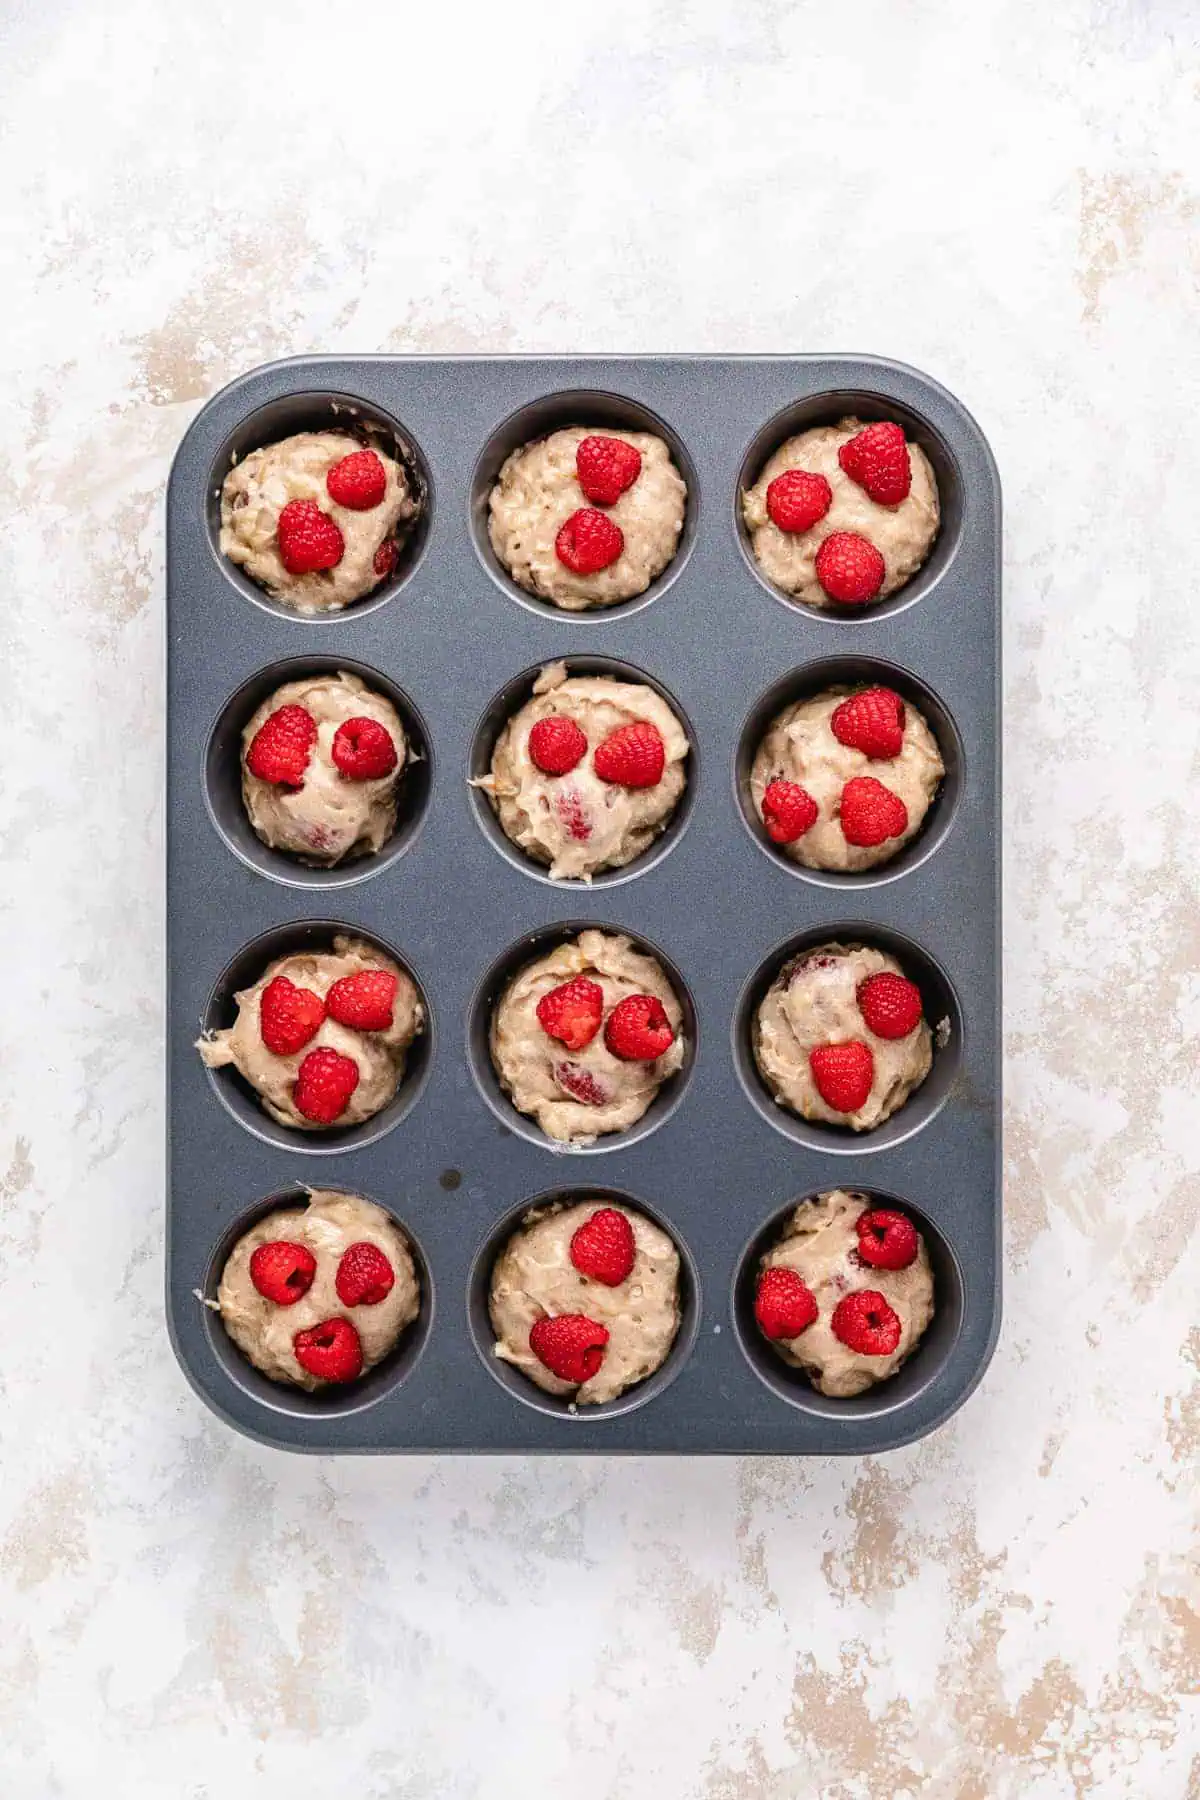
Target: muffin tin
455,645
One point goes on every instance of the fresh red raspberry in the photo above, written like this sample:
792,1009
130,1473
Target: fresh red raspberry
282,1272
588,542
638,1029
363,1001
843,1074
332,1351
280,748
850,568
288,1016
871,721
870,813
556,744
568,804
783,1304
632,755
886,1239
877,459
797,499
788,811
308,538
324,1084
603,1247
364,1275
866,1324
572,1012
363,750
581,1084
358,482
571,1346
606,466
890,1004
384,560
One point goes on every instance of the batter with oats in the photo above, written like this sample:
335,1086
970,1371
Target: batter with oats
587,519
584,1299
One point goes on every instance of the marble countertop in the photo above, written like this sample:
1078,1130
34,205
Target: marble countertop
1005,195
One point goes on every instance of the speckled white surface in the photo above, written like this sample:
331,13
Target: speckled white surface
1005,194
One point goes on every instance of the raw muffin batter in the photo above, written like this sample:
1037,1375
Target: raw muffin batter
340,808
341,1022
543,1272
824,1246
901,533
553,1048
801,747
539,490
374,516
575,820
818,1008
354,1288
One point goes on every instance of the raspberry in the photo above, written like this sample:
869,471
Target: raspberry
581,1084
308,538
606,466
280,748
556,744
332,1350
364,1001
866,1324
363,750
870,813
850,568
588,542
282,1272
364,1276
886,1239
638,1029
571,1346
843,1074
603,1247
574,814
385,558
872,721
633,755
797,499
288,1016
890,1005
877,459
572,1012
324,1084
358,482
783,1304
788,811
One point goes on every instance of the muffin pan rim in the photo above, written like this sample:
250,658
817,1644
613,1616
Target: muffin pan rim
517,1385
380,381
279,865
790,1383
919,965
943,551
406,449
296,1402
528,947
482,747
486,466
228,1082
801,683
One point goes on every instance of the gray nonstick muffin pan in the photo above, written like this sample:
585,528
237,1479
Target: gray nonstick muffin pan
456,646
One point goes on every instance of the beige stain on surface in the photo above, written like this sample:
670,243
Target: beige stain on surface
49,1535
244,311
1116,215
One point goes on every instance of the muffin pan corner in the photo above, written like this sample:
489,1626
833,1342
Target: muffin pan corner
449,1158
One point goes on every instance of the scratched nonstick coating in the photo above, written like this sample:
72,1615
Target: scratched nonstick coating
452,641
